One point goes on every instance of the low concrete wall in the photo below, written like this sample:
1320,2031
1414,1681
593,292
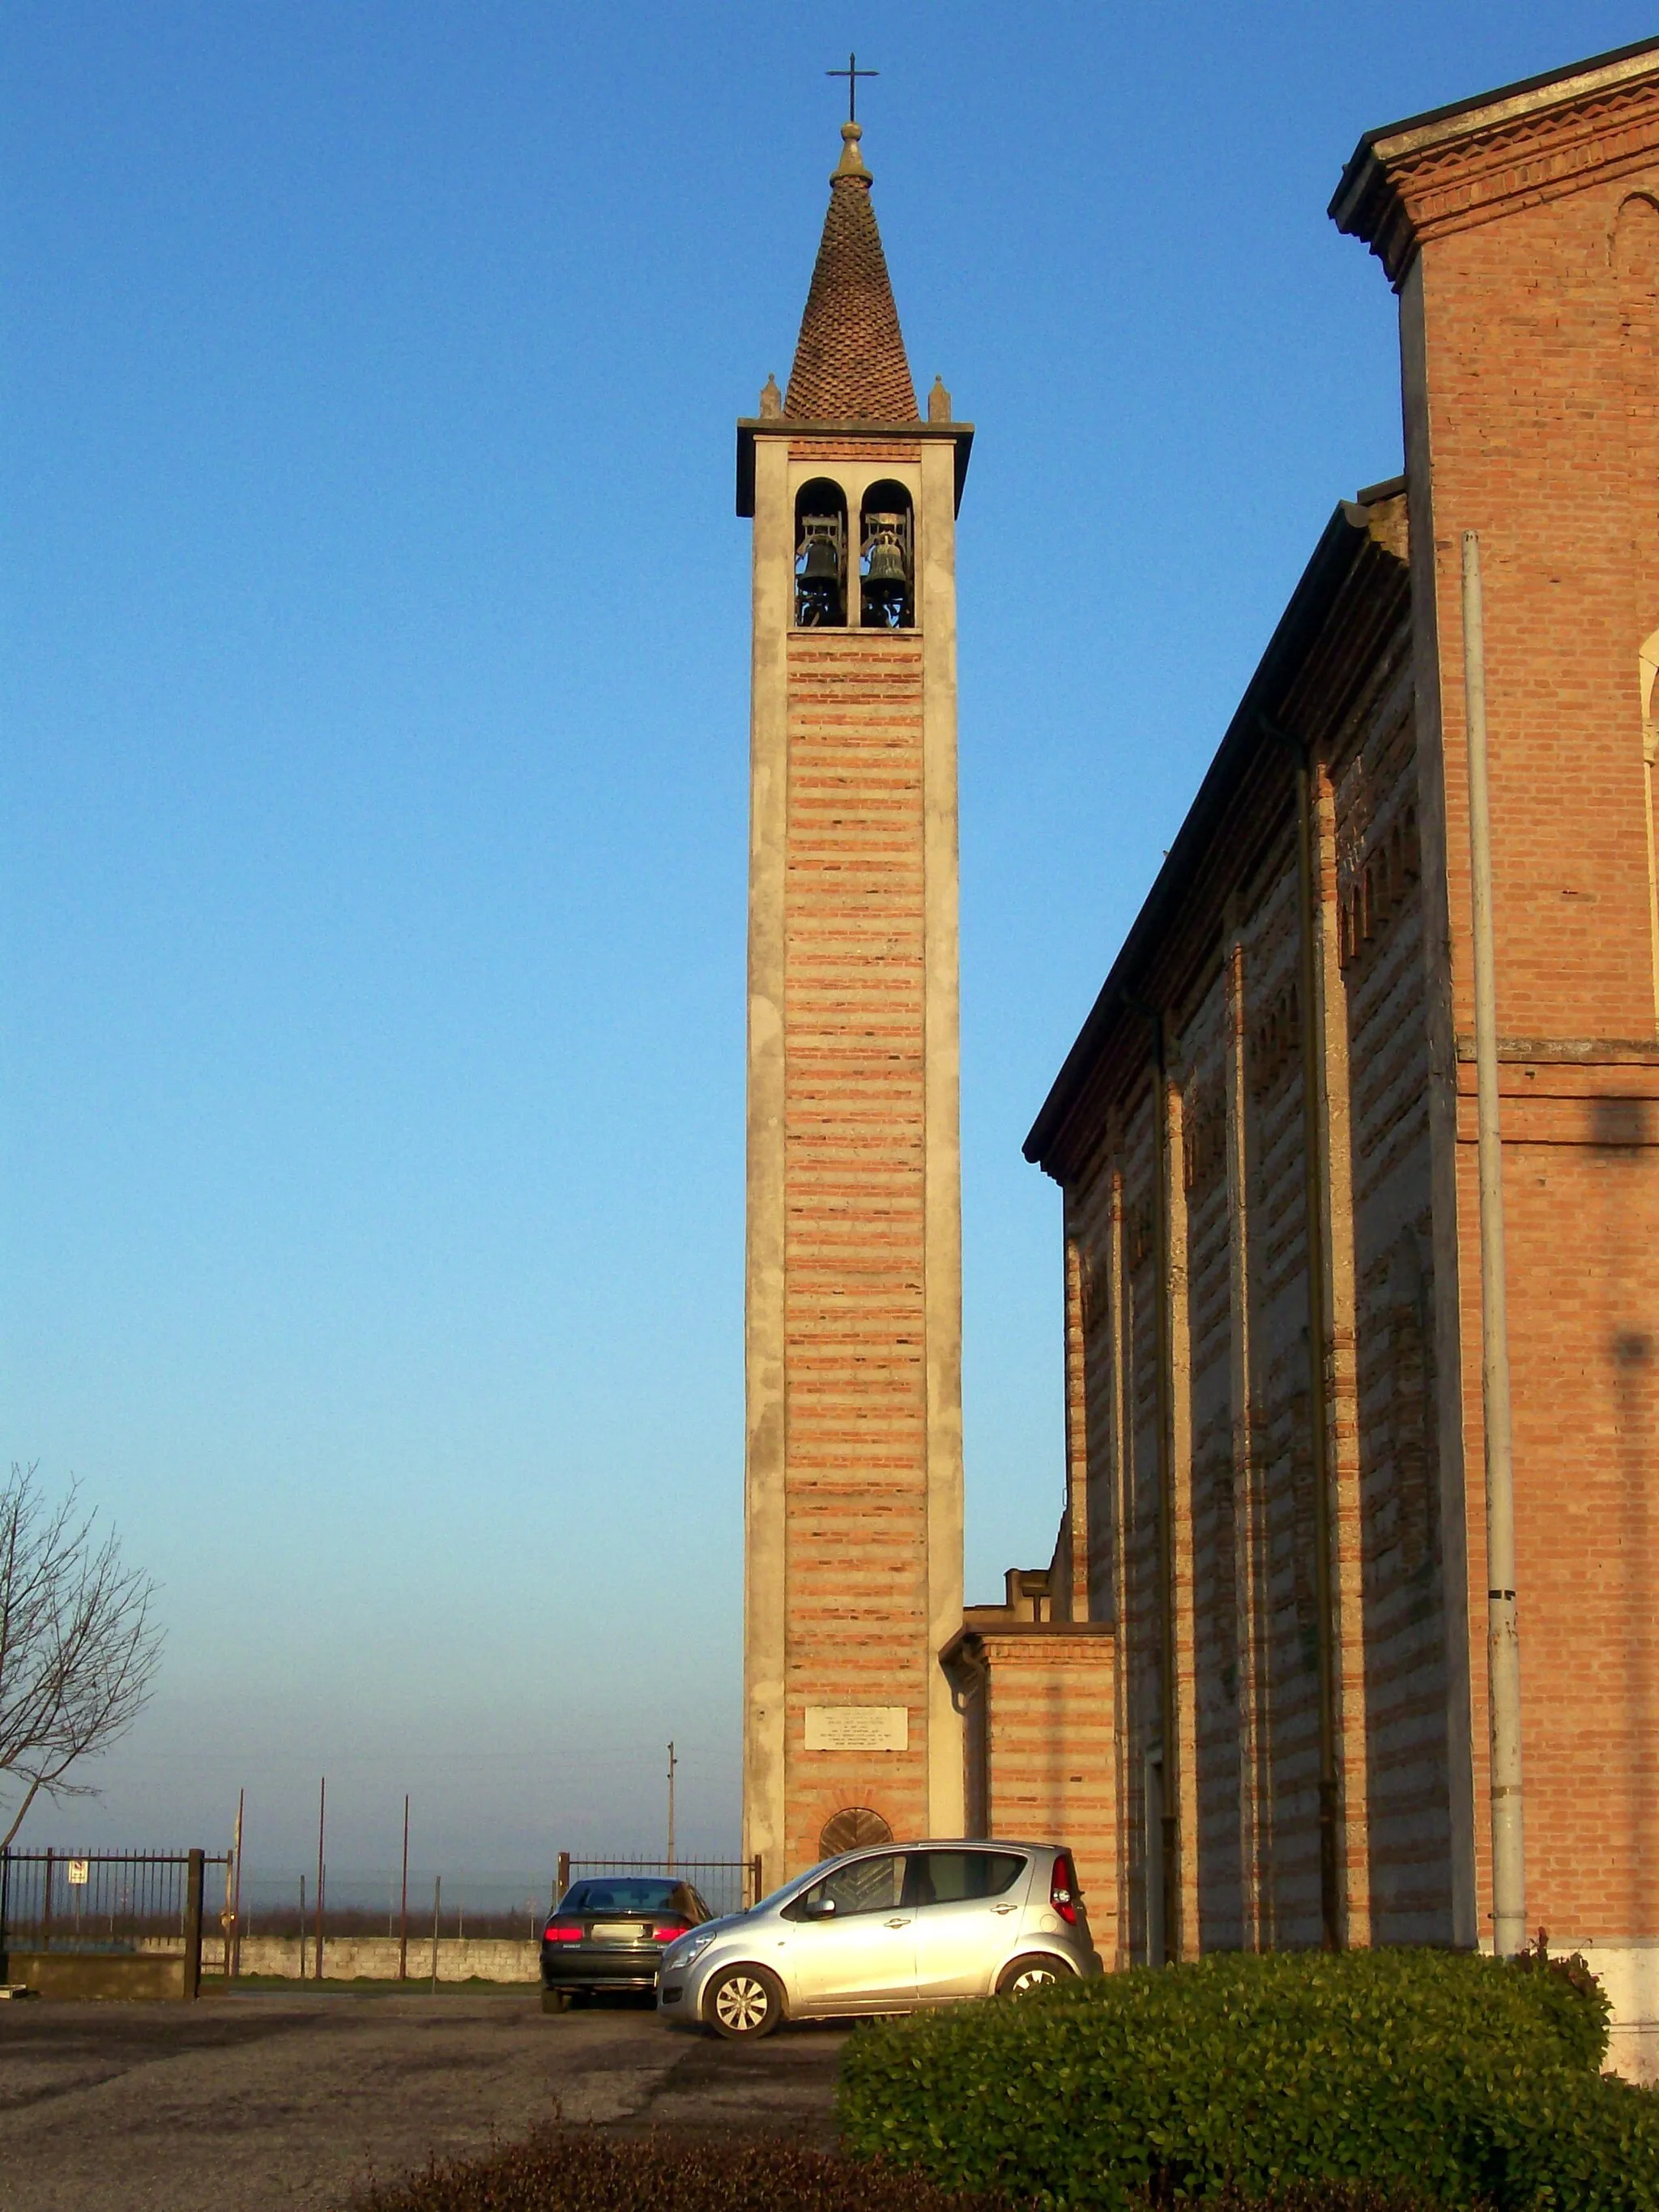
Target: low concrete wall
95,1974
374,1958
1629,1972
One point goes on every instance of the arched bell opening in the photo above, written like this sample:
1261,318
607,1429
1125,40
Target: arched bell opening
820,556
887,558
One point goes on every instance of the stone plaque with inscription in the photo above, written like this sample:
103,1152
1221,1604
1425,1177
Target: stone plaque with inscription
858,1728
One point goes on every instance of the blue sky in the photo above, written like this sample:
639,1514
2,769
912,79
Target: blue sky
373,779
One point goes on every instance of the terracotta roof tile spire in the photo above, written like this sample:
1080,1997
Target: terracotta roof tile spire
850,365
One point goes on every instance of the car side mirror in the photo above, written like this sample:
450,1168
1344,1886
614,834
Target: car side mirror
821,1908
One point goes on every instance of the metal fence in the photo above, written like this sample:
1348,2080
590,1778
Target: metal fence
139,1904
127,1901
376,1902
725,1885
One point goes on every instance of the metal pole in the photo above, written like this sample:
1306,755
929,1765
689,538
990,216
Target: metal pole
1509,1872
194,1883
236,1899
322,1807
562,1880
302,1927
403,1911
672,1763
225,1917
437,1898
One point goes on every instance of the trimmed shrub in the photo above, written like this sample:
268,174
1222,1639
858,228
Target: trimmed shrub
1452,2077
573,2170
579,2171
1567,1989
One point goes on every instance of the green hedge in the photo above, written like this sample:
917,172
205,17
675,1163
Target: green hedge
1456,2077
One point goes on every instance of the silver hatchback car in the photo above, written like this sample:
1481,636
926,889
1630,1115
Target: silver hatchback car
886,1929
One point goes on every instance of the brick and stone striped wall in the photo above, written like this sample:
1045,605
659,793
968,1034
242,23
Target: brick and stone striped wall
1192,1251
854,1158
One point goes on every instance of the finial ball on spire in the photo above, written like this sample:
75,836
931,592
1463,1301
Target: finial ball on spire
851,163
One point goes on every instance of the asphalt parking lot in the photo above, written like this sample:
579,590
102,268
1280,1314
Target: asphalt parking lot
241,2103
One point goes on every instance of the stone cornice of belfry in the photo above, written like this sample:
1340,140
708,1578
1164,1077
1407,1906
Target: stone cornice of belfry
751,427
1457,166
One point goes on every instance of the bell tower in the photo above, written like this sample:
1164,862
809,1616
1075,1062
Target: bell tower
852,1521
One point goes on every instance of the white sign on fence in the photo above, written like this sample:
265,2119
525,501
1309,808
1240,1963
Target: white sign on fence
77,1873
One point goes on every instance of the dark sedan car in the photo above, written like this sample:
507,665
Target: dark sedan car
609,1933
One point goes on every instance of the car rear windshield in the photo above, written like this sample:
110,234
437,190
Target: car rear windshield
632,1894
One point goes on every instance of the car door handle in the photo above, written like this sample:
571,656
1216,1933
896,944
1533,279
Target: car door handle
898,1924
1004,1909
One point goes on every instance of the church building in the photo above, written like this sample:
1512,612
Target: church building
1266,1136
1253,1687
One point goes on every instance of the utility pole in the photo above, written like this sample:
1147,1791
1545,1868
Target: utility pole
672,1763
403,1911
1508,1871
234,1933
322,1807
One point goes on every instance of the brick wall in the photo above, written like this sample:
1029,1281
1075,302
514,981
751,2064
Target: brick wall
1200,1400
1529,314
1376,899
856,1515
1042,1706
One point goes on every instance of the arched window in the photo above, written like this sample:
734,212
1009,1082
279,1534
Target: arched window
887,558
820,556
852,1829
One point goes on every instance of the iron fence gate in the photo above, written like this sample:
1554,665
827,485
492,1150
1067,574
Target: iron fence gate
117,1903
726,1885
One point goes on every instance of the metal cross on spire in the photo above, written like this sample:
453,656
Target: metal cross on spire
852,73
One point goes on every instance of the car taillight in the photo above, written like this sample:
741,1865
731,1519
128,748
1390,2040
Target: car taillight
556,1934
1062,1890
665,1934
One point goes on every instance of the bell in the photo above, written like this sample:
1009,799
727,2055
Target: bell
886,562
822,565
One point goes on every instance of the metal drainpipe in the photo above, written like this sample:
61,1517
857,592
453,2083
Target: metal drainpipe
1171,1824
1330,1900
1509,1872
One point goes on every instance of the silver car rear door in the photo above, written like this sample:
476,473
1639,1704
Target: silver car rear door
967,1900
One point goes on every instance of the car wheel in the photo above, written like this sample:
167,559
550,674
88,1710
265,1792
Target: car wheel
1034,1973
744,2003
555,2000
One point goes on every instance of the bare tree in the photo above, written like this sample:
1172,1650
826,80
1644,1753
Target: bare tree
78,1645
